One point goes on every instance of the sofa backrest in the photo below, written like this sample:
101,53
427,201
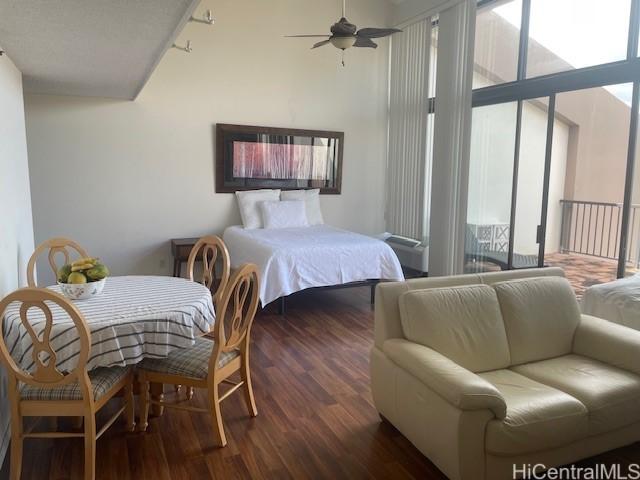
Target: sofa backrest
462,323
540,316
387,313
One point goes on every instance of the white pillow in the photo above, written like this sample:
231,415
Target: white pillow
249,203
284,214
311,200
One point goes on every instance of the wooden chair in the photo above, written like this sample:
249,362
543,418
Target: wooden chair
211,362
211,246
48,392
54,245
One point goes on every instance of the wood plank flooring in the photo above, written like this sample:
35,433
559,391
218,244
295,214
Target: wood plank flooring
316,416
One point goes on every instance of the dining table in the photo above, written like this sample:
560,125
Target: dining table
134,317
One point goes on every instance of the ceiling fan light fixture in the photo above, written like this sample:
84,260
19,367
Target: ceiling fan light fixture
342,42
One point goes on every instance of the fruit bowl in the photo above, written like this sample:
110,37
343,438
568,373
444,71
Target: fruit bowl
82,291
82,279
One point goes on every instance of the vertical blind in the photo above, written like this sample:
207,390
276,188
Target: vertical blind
407,161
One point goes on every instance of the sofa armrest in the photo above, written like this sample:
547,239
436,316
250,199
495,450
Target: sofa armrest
608,342
457,385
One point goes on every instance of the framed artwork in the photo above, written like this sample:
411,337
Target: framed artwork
250,158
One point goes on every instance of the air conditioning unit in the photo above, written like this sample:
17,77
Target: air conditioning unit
412,253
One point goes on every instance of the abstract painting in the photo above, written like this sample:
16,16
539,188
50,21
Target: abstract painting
250,157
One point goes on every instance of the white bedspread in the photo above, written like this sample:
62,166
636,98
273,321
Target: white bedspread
617,301
292,259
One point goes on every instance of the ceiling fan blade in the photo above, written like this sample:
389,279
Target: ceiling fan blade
320,44
365,42
377,32
307,36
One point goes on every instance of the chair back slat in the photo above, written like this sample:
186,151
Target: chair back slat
44,357
211,247
55,246
45,373
236,311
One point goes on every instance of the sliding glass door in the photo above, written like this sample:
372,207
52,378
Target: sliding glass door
598,123
630,260
553,177
529,182
493,140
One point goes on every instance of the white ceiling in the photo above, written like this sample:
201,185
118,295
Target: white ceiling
104,48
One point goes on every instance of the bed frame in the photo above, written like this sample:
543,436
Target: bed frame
282,307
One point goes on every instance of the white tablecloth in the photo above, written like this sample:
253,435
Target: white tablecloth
617,301
134,317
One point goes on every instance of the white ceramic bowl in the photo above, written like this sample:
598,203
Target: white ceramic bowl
82,291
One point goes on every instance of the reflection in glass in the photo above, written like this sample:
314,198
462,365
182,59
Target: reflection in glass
496,43
531,161
493,133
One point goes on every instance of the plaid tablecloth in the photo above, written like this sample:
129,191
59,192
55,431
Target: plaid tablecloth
134,317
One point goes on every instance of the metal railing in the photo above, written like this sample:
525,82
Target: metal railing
593,228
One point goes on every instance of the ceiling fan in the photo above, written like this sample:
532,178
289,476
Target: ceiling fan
345,34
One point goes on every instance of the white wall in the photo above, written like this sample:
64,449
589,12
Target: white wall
408,9
16,238
122,178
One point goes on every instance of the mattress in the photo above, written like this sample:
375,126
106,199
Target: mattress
293,259
617,301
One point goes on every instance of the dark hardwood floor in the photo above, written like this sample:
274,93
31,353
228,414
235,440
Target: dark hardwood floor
316,416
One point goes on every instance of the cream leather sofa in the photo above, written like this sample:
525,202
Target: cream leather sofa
483,372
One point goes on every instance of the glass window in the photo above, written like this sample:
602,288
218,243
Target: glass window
496,43
569,34
633,245
594,140
531,163
493,133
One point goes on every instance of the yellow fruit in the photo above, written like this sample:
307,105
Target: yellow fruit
84,261
84,266
76,277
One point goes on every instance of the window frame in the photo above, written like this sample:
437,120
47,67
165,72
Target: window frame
523,88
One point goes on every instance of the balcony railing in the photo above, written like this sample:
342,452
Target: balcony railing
593,228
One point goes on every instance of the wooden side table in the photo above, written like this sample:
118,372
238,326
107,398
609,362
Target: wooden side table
180,249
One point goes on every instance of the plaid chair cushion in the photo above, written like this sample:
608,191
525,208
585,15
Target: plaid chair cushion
192,362
102,379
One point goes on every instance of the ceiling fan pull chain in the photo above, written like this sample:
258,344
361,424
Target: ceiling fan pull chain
343,57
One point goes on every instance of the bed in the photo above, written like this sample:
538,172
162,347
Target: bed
617,301
297,258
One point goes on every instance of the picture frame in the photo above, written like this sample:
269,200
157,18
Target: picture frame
251,157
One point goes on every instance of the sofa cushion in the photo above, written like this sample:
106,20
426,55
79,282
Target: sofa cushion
538,416
611,395
462,323
540,317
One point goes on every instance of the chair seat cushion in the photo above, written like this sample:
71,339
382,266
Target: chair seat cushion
538,416
611,395
102,380
192,362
